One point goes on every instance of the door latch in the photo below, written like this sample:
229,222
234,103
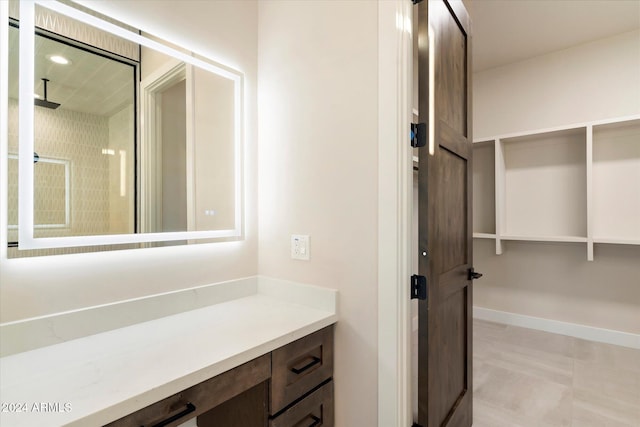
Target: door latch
472,275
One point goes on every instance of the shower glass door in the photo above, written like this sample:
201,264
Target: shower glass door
84,139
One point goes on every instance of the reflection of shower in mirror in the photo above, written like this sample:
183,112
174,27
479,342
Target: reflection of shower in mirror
45,102
152,134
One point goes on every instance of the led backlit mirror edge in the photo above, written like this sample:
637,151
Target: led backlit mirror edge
26,135
4,102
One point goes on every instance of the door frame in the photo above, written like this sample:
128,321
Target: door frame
395,208
151,89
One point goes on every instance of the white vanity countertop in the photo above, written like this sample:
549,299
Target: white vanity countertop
97,379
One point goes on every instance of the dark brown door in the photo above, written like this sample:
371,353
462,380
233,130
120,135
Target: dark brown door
445,225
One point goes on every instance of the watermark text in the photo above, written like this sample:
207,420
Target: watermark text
30,407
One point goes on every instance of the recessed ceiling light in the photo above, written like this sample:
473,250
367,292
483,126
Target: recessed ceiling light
59,59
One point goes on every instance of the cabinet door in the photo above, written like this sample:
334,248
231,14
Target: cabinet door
300,366
248,409
445,224
315,410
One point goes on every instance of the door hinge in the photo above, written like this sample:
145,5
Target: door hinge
416,2
418,134
418,287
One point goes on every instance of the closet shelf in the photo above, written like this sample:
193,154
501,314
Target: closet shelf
616,241
578,183
568,239
611,122
484,236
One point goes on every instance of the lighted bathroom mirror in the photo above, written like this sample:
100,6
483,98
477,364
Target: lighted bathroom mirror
165,164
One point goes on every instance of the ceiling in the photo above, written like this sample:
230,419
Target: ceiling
506,31
90,83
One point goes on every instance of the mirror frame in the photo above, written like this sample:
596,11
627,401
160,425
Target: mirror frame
26,135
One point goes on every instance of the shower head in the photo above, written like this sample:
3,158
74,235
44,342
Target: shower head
45,102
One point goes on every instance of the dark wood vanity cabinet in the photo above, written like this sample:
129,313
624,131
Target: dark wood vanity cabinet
290,387
301,382
314,410
248,409
202,397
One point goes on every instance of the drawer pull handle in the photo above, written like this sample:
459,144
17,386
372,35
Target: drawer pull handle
316,421
189,409
314,362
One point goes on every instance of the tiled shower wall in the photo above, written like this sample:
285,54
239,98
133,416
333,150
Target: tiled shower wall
84,141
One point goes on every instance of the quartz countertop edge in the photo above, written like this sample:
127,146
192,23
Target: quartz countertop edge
103,377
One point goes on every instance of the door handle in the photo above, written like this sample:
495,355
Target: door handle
472,274
190,407
316,421
314,361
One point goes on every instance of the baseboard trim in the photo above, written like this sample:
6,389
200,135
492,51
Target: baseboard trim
590,333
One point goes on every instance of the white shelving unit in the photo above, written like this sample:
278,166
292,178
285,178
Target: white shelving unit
573,184
545,185
615,203
484,195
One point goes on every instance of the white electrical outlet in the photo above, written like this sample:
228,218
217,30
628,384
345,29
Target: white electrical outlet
300,247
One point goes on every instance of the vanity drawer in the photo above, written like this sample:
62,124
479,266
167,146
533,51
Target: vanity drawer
299,367
200,398
315,410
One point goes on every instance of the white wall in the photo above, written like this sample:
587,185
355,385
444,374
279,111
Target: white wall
214,151
174,158
224,30
593,81
318,129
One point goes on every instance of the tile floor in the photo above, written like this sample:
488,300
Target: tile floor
528,378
